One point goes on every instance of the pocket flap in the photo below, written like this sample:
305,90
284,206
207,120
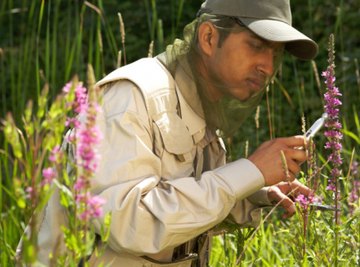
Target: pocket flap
174,133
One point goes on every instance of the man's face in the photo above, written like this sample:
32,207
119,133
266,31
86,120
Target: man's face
242,66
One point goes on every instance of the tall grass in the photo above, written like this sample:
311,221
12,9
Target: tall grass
45,43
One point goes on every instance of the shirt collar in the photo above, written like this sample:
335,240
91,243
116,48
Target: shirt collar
190,104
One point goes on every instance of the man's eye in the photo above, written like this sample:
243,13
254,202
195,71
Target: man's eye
257,45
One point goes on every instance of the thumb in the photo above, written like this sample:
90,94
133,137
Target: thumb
289,206
279,198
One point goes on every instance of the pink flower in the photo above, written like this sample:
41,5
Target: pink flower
29,192
56,154
87,140
86,137
93,205
354,195
354,168
80,103
80,183
305,201
355,191
49,174
331,187
67,87
72,122
81,99
333,132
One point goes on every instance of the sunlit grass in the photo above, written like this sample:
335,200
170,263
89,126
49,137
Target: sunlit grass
48,42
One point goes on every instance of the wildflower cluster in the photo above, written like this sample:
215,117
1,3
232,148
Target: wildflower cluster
333,132
85,138
354,195
50,173
305,201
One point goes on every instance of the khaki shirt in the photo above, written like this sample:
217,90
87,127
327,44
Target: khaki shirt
161,188
157,196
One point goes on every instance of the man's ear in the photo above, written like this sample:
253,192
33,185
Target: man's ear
207,37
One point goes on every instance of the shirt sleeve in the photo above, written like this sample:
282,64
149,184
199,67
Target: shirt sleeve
151,214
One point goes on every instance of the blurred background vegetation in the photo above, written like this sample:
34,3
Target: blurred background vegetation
48,42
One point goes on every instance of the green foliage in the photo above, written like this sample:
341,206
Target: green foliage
24,157
283,243
43,44
31,152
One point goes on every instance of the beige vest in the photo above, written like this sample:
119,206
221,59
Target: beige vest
163,103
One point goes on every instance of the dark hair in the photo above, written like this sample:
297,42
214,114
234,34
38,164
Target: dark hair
224,25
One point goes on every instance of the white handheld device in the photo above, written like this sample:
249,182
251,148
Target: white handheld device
316,126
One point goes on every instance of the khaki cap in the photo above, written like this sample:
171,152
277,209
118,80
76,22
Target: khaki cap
269,19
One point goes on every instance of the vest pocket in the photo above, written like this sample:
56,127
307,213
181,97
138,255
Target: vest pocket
174,145
175,136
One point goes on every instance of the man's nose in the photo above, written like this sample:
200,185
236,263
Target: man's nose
266,63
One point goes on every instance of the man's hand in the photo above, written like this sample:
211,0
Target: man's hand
284,193
268,158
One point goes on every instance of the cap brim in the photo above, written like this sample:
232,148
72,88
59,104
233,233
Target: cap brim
297,43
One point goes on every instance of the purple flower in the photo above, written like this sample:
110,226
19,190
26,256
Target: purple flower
72,122
354,195
67,87
305,201
56,154
80,103
354,168
333,126
81,99
302,200
80,184
95,203
331,187
93,206
86,138
29,192
49,174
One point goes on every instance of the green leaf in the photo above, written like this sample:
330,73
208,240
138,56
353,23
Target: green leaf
352,135
21,203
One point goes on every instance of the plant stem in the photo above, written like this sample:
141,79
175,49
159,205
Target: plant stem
269,113
305,221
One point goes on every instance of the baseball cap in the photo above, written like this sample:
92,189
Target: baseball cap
269,19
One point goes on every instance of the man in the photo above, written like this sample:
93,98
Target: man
162,169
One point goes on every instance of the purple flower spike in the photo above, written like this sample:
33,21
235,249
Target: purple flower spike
86,139
49,174
305,201
333,126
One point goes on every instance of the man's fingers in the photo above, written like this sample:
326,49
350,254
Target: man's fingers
294,188
283,194
293,141
278,160
293,168
289,207
300,188
291,160
278,197
298,155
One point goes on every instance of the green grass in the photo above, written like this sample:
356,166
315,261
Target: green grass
46,43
